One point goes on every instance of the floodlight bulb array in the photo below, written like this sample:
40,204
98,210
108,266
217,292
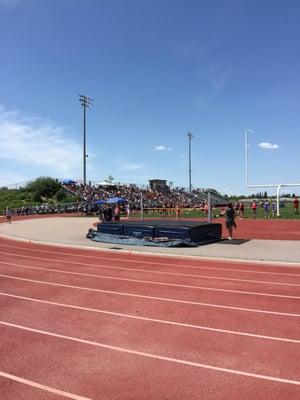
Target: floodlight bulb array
85,100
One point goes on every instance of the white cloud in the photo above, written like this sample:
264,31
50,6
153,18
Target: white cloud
161,147
268,146
182,156
39,144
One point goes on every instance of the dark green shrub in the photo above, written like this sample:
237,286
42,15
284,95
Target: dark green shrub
60,194
36,196
46,186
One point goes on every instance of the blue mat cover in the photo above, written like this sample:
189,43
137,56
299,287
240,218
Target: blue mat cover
139,241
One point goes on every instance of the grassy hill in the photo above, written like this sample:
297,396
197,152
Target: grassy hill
42,190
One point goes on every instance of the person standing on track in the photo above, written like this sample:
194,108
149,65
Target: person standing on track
116,213
237,208
254,208
127,210
230,222
8,213
267,208
242,210
273,208
177,211
296,205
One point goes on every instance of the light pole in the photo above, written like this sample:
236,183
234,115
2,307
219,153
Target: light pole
86,102
190,137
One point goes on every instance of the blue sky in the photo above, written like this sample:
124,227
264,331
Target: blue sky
156,69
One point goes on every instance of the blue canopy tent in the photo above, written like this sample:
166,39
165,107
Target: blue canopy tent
67,181
111,200
100,202
115,200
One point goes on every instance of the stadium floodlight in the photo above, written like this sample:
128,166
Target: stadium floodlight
190,137
86,102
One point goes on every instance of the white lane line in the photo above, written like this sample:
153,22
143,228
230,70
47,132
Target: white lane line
221,261
152,282
149,271
150,297
153,356
287,264
160,321
42,387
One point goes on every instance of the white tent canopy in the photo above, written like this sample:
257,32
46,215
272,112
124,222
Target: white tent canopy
106,183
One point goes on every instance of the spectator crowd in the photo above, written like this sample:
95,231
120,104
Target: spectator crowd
151,198
168,202
45,209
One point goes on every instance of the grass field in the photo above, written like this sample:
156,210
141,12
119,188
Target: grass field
286,212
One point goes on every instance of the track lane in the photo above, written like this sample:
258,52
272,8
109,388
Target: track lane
218,318
34,389
137,332
223,350
175,264
156,320
223,285
13,390
111,373
118,268
278,303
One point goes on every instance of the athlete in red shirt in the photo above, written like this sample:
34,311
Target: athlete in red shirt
254,208
296,205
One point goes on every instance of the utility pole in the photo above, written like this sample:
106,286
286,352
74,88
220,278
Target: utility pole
86,102
190,137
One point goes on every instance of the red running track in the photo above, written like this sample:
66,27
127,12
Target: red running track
269,229
84,324
272,229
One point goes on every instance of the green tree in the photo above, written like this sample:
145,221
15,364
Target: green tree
46,186
109,179
60,194
36,196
